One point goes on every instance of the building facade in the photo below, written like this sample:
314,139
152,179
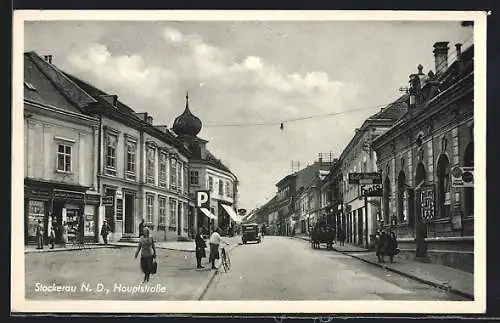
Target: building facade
142,171
418,157
358,157
207,173
60,149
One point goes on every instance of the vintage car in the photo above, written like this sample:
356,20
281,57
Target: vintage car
250,232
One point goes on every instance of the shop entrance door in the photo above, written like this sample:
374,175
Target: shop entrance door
129,213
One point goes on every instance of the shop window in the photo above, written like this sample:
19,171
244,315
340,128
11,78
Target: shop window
36,211
149,207
111,142
89,221
150,165
443,174
173,214
194,177
130,160
173,173
163,170
162,212
73,222
64,158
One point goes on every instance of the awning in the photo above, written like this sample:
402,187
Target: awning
208,213
231,213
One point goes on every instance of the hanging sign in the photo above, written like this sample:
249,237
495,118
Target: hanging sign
365,178
462,177
427,202
371,190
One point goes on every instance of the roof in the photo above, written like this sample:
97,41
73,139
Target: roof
96,93
217,163
394,111
39,88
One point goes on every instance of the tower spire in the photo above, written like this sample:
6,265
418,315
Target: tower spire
187,99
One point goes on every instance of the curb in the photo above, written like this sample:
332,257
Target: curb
203,289
70,249
425,281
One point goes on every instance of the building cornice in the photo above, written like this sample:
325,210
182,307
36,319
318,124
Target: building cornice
49,109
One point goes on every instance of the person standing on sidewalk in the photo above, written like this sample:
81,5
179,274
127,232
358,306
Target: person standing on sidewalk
105,231
141,228
200,248
64,233
215,240
391,245
148,253
39,235
52,236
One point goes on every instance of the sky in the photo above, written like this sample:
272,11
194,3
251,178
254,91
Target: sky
246,72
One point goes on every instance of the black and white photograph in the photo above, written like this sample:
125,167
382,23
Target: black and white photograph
290,161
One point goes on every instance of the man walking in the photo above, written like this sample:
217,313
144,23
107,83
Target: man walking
105,231
39,235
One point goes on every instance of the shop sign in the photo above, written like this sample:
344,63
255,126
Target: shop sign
371,190
365,178
427,202
37,193
119,210
69,195
462,177
92,199
108,200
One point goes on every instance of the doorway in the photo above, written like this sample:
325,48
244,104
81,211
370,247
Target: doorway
129,213
420,225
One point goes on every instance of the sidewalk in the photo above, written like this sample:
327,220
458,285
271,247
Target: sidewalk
69,247
443,277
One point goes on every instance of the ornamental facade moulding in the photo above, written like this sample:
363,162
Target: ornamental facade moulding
110,130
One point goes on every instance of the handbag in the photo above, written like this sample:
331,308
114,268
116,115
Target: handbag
155,267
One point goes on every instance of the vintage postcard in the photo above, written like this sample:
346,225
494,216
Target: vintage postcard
249,162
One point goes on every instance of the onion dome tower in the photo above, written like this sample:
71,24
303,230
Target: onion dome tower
187,124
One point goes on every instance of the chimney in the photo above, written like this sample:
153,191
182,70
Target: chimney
48,58
149,119
441,56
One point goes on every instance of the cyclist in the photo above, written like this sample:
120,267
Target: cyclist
215,240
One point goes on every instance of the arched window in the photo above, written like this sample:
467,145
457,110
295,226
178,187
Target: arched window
387,196
444,187
402,198
469,191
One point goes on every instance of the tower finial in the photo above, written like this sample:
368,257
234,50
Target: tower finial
187,99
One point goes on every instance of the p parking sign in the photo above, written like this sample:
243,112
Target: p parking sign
203,199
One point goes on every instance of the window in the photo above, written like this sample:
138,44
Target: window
185,181
402,198
221,188
173,173
194,177
210,184
149,207
36,211
163,170
387,196
130,159
111,141
179,176
162,211
173,213
150,165
228,189
443,174
64,158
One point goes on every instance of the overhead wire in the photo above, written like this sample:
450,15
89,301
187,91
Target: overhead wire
281,123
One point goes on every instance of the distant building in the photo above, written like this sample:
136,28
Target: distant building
206,172
60,155
358,157
422,153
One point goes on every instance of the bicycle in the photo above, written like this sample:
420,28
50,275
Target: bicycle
226,261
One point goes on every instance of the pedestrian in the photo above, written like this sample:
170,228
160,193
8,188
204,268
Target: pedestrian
200,248
391,246
380,245
105,231
141,228
148,253
52,236
215,240
39,235
64,233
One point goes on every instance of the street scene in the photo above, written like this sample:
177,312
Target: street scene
249,160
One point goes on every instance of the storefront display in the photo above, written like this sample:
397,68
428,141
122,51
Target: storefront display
89,221
72,220
36,211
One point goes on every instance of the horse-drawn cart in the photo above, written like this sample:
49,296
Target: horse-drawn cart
322,234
